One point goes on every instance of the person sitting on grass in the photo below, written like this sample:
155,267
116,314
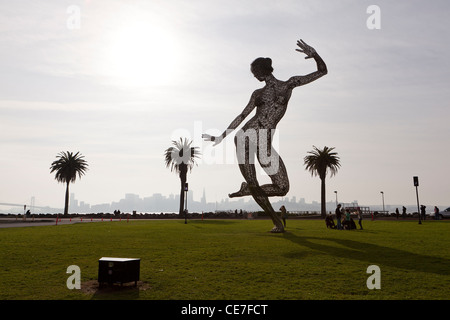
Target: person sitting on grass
330,222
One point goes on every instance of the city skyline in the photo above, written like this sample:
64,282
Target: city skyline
157,203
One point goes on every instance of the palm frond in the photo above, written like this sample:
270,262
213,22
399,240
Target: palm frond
67,166
319,162
181,155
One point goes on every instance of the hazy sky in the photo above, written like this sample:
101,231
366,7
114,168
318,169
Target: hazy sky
118,80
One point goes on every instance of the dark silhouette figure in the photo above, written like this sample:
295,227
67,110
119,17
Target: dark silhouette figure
283,215
349,224
330,222
436,213
360,218
423,211
338,213
255,137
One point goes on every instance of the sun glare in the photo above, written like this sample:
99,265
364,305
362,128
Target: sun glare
141,54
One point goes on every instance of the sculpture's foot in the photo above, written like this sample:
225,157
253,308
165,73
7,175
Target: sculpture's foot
242,192
276,229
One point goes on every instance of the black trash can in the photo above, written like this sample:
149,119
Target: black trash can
118,270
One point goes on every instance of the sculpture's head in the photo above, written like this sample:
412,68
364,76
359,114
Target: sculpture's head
261,68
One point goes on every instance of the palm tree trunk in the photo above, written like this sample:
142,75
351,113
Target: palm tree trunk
66,203
182,197
323,199
183,178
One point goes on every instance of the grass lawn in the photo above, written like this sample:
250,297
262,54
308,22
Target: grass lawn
231,260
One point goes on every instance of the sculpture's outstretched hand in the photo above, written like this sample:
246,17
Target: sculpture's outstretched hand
214,139
306,49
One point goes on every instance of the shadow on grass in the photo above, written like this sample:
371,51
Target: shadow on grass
372,254
211,222
127,291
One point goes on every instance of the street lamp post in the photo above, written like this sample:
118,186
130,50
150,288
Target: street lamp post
186,188
416,184
336,198
382,197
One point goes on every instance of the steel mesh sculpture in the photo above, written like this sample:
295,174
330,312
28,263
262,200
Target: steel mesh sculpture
254,139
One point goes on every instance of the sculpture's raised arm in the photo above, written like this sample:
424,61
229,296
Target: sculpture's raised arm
321,66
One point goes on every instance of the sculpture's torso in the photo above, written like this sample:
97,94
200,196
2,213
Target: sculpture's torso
271,103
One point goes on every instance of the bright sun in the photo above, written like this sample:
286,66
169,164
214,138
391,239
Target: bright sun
141,54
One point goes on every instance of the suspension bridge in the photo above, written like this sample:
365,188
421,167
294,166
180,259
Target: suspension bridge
30,207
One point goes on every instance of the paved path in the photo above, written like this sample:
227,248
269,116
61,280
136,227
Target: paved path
15,223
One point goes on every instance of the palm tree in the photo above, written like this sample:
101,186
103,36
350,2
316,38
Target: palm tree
181,159
67,167
318,162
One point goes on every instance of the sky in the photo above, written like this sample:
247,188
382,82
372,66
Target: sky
117,81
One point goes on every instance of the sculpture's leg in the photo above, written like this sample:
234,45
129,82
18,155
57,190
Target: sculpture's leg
278,188
243,191
274,167
251,187
264,203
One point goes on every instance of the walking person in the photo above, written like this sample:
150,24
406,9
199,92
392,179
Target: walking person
397,213
404,212
338,216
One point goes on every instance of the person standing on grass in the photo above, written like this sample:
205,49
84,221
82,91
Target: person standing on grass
422,211
283,215
338,216
359,218
436,213
347,215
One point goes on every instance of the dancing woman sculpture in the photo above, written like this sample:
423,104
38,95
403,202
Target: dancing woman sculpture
255,137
